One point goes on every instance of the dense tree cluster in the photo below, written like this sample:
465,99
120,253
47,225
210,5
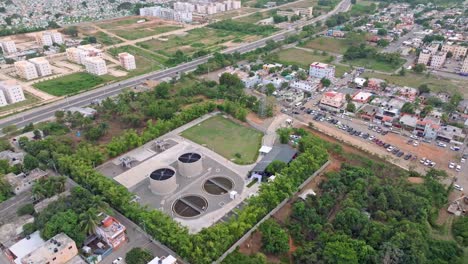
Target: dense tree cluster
362,52
242,27
363,218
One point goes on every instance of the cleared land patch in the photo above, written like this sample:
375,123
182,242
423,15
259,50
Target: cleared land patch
145,61
328,44
71,84
128,28
231,140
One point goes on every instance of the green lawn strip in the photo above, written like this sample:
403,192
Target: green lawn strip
227,138
373,64
71,84
30,99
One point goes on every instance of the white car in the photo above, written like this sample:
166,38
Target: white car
427,162
117,260
457,187
458,168
442,145
422,160
371,138
413,137
455,148
451,165
463,160
389,149
432,164
416,144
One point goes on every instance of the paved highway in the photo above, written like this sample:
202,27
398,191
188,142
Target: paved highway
45,112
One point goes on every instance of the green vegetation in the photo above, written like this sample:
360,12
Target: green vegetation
255,17
334,45
368,57
246,28
118,22
30,99
460,230
138,256
145,61
227,138
436,84
70,84
105,39
141,32
27,209
304,58
48,187
274,239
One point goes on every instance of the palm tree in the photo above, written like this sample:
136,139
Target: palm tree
89,221
98,203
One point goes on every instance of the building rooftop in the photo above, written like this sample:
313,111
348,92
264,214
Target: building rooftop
43,252
26,246
321,65
164,260
281,152
38,60
111,227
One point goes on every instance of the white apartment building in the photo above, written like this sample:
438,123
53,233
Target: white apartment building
78,54
438,59
167,13
424,57
184,6
9,46
26,70
457,50
3,100
42,66
127,61
95,65
464,67
44,39
12,91
322,70
433,48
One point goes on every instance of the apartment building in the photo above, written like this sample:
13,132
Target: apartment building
424,57
464,67
12,91
127,61
42,66
433,47
95,65
438,59
111,231
458,51
9,47
333,100
322,70
48,38
57,250
78,54
3,100
26,70
167,13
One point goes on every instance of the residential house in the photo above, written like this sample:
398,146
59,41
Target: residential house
112,232
333,101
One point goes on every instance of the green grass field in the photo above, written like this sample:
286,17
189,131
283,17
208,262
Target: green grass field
255,17
145,61
196,39
116,23
373,64
30,99
334,45
105,39
71,84
435,83
227,138
304,58
137,33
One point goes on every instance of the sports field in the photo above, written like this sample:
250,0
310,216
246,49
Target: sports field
229,139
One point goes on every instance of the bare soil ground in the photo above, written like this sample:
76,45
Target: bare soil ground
416,180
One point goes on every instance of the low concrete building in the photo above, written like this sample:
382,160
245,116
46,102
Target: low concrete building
438,59
26,70
333,100
23,181
95,65
22,248
127,61
57,250
42,66
321,70
13,158
362,97
12,91
85,111
112,232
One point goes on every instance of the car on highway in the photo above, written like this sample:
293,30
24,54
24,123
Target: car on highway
441,144
457,187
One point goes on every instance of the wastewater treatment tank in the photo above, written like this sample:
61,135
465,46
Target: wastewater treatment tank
163,181
218,185
190,206
190,164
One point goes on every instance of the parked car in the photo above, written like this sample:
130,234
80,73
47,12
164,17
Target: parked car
451,165
455,148
414,137
390,149
457,187
407,157
441,144
399,154
416,143
458,168
117,260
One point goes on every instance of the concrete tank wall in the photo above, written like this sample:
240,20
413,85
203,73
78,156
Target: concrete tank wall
161,186
191,168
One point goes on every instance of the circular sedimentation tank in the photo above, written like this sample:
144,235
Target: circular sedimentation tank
218,185
190,206
163,180
190,164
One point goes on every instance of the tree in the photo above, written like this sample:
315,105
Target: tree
351,107
27,128
407,108
353,2
284,135
274,238
382,43
270,88
381,32
37,134
89,221
71,31
449,55
423,88
402,71
302,75
230,80
348,97
275,167
419,68
30,162
27,209
325,82
460,230
138,256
